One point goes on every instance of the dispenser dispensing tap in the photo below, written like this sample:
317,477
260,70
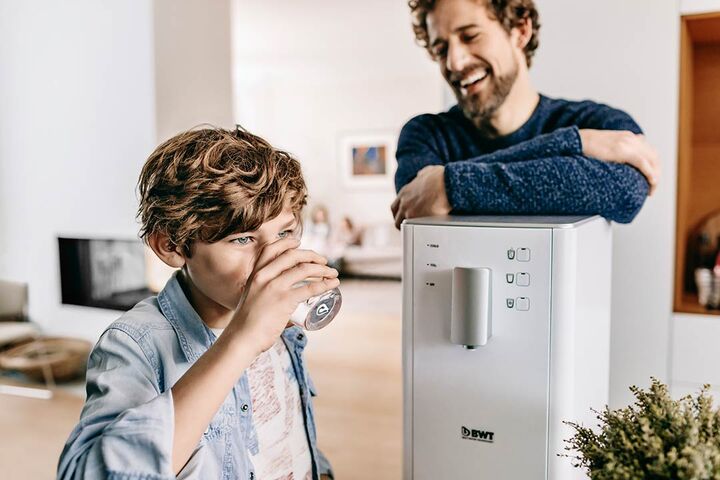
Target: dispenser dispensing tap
471,322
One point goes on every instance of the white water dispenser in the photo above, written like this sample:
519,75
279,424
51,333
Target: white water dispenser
506,334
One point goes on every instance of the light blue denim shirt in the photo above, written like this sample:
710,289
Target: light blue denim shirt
126,426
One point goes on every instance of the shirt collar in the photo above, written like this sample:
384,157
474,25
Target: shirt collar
193,335
525,132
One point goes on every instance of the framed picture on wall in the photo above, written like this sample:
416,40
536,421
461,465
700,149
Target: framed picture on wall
367,159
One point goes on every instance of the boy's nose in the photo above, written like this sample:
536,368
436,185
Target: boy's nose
262,243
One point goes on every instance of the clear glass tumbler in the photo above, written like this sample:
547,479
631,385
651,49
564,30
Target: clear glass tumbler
318,311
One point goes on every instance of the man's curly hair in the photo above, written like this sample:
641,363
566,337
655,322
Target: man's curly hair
208,183
508,12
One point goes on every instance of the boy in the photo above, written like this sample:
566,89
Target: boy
205,380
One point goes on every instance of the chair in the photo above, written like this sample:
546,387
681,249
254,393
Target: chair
13,301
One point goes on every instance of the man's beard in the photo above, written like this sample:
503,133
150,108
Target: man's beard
480,112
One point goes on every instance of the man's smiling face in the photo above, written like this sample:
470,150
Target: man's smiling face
477,57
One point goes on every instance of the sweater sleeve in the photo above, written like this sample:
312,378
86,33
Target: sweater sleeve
602,117
126,427
419,145
561,142
555,185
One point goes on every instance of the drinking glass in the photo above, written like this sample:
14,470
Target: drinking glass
318,311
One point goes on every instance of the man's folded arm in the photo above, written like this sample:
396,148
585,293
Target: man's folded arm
418,148
563,142
418,145
586,185
556,185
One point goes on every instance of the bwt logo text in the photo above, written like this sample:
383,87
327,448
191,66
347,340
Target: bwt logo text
478,435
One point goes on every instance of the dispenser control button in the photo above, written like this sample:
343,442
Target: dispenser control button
523,279
511,254
510,277
523,304
523,254
510,302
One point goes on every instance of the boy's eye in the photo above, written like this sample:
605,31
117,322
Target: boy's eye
242,240
286,233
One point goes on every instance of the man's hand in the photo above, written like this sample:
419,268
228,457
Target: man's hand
623,147
424,196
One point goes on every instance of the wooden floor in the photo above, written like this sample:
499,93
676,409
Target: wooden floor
33,432
355,364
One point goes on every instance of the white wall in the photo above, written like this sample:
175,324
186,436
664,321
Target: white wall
84,87
77,120
305,72
691,7
695,354
192,64
626,54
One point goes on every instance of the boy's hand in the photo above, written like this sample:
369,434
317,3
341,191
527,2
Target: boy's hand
269,297
623,147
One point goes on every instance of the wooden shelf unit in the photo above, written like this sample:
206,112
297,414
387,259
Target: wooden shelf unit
698,192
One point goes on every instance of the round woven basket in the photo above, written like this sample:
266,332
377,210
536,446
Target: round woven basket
64,358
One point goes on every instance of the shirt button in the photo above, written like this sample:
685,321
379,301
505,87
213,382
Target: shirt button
300,336
252,475
244,408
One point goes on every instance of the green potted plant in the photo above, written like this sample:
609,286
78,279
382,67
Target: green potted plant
656,438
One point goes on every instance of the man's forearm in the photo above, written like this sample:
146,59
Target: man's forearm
564,142
556,185
414,156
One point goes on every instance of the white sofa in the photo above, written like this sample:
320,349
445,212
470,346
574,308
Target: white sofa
379,256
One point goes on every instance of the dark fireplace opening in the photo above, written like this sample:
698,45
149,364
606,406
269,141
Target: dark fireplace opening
103,273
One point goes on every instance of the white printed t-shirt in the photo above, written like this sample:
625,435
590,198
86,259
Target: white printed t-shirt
283,452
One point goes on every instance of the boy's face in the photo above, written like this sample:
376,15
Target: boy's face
217,272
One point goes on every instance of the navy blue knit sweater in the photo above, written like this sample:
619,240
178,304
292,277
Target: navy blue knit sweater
538,169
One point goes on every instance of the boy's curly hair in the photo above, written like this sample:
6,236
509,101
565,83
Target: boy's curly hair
508,12
208,183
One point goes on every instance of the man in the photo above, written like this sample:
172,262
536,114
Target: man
504,148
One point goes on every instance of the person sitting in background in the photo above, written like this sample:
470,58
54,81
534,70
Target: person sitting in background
316,232
205,380
329,241
346,234
342,236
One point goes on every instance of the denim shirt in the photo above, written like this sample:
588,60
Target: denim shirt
126,426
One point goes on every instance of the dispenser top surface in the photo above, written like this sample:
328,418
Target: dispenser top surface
507,221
